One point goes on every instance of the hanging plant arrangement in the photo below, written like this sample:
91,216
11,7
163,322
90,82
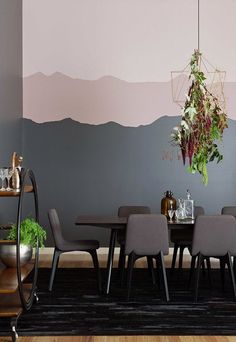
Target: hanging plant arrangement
202,124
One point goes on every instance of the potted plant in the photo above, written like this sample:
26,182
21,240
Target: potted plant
30,233
202,124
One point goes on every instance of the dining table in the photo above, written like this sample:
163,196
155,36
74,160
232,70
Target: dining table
114,224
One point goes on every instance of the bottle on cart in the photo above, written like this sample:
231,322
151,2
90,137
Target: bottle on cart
16,166
189,206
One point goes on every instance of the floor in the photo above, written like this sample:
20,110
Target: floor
125,339
72,260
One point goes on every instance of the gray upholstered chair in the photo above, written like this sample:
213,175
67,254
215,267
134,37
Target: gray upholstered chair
214,236
147,235
63,246
229,210
182,239
125,211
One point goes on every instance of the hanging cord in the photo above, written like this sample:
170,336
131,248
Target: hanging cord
198,25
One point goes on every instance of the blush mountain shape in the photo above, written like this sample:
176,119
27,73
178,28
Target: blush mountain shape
56,97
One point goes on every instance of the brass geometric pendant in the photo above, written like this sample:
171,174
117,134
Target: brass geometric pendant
180,82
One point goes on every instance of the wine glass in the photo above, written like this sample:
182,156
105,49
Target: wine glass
171,214
3,172
9,173
178,214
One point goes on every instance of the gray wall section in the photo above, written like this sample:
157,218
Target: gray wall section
10,89
86,169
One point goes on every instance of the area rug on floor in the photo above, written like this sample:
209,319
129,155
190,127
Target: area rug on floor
75,308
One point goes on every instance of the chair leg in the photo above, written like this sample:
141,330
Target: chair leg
234,265
121,257
121,264
163,269
208,269
222,272
181,253
174,257
94,256
203,267
151,269
199,262
122,274
230,266
131,261
192,268
55,261
158,274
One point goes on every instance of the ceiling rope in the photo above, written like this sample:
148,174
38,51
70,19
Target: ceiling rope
198,25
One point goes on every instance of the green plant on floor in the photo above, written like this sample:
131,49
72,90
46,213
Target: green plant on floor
202,124
30,232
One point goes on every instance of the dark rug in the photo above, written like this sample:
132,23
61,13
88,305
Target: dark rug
75,308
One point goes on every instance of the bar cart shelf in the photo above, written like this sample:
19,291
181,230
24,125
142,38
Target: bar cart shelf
12,193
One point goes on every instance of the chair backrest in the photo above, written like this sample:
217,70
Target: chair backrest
214,235
126,210
198,211
229,211
56,228
147,234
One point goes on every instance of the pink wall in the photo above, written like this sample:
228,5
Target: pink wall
100,61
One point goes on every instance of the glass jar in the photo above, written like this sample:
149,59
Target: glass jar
180,212
189,206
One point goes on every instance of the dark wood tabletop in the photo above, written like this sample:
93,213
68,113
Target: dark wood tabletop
117,222
102,221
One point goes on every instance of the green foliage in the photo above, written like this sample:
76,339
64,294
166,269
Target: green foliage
203,122
30,232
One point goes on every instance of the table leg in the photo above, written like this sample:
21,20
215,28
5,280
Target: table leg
110,258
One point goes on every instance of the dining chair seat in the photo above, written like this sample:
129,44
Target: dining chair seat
62,246
147,235
214,236
228,210
126,211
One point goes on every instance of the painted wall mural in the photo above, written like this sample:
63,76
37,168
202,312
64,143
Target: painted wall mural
104,61
57,97
97,100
